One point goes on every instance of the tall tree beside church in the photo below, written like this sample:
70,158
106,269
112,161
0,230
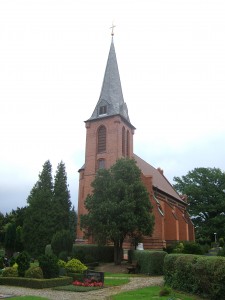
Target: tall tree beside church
38,224
205,188
118,207
61,199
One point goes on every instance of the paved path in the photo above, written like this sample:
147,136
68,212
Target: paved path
101,294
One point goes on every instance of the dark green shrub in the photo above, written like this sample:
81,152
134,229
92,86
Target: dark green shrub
23,262
49,266
221,252
99,253
149,262
165,291
192,248
48,250
62,241
221,242
63,256
1,262
12,261
196,274
34,272
10,272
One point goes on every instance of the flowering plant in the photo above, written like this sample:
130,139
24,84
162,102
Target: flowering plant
88,282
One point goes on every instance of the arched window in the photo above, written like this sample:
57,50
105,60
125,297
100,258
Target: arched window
123,141
128,144
101,139
101,163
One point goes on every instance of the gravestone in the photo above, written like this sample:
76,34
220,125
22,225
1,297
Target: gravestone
94,276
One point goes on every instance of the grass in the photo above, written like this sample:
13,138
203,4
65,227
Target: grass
152,292
28,298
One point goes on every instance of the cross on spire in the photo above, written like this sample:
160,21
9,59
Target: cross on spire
112,27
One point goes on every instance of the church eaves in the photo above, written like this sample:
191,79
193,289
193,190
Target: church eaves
111,100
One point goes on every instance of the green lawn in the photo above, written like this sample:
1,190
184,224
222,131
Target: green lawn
152,292
28,298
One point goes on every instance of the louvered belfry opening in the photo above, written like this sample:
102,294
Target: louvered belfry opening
101,139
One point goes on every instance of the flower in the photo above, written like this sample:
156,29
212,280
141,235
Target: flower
89,283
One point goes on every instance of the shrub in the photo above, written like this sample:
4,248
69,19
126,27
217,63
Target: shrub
12,261
196,274
192,248
63,256
61,263
49,266
62,241
179,248
48,250
221,252
75,266
34,272
149,262
165,291
1,262
10,272
99,253
23,261
221,242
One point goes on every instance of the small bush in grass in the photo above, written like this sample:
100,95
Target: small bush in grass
165,291
75,266
34,272
23,261
10,272
49,266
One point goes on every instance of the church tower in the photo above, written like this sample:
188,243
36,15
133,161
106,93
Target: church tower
109,136
109,132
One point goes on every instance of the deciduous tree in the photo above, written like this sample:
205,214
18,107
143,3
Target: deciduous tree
205,188
118,206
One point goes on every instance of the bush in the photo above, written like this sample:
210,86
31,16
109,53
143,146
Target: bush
61,263
99,253
149,262
192,248
1,262
75,266
196,274
49,266
62,241
23,261
48,250
63,256
34,272
10,272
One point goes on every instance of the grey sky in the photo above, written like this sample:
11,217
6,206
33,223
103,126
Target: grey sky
52,61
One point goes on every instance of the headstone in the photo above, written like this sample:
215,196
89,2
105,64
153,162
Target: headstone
94,276
140,246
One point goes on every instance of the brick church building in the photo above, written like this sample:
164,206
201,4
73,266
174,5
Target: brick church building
109,136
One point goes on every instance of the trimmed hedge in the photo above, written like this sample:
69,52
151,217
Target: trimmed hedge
149,262
85,252
35,283
202,275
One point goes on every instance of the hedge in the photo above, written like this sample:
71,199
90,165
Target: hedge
98,253
201,275
85,252
35,283
149,262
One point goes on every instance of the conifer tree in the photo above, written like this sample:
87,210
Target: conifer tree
38,223
61,199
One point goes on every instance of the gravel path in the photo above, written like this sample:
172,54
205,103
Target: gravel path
135,282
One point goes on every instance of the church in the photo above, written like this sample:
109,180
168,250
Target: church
109,136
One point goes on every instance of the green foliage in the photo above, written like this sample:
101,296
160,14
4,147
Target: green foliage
10,238
63,255
119,206
23,261
62,241
99,253
74,265
149,262
165,291
35,283
38,223
222,252
34,272
10,272
49,266
48,250
12,261
179,248
61,199
205,190
192,248
61,263
221,242
196,274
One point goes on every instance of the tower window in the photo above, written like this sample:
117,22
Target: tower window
103,110
101,164
128,143
101,139
123,141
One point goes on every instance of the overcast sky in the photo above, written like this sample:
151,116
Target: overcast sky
53,53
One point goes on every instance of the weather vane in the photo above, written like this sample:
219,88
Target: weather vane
112,27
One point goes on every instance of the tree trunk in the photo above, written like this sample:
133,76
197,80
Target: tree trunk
118,252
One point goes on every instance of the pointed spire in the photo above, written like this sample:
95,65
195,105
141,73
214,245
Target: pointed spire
111,100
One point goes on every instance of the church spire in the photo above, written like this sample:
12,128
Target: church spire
111,100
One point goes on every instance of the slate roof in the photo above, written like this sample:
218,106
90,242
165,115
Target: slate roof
111,93
159,181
